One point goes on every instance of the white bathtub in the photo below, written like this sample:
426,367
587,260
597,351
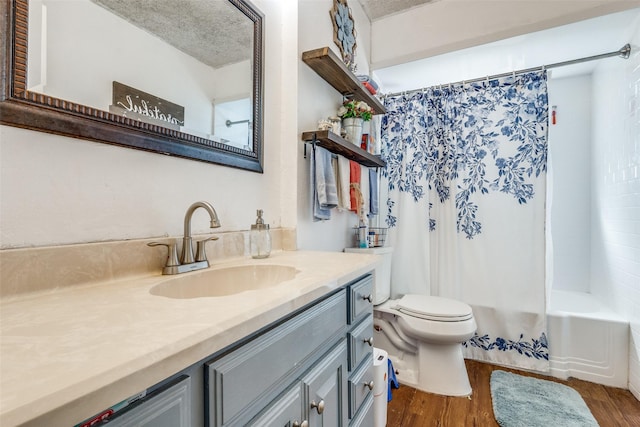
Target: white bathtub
587,340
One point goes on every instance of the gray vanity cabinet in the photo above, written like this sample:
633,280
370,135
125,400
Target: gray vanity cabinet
361,342
286,410
242,383
302,371
312,368
360,338
169,406
325,389
365,416
317,399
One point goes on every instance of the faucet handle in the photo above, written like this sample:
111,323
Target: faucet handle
201,253
172,255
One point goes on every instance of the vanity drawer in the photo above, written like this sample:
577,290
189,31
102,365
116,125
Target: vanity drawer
365,416
361,342
359,388
360,298
240,377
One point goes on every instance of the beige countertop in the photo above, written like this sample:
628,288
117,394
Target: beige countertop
68,354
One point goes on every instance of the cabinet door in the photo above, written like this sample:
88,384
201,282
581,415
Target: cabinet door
365,416
361,343
360,386
360,298
237,382
326,389
285,411
168,407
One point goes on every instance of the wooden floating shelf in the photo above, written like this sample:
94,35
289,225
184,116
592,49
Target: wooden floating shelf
338,145
331,68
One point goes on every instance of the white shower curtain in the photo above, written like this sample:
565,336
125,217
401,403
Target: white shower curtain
466,172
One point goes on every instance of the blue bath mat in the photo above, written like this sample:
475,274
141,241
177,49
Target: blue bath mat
520,401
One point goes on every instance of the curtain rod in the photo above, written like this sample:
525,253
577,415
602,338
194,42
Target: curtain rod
623,53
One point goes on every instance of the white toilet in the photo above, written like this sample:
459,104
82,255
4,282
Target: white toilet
423,335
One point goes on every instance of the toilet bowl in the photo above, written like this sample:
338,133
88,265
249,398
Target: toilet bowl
422,334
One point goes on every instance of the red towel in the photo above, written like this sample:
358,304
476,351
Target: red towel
370,88
354,192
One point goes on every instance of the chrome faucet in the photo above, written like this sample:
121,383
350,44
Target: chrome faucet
187,261
187,247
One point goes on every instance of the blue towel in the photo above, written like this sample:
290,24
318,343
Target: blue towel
393,381
323,181
373,191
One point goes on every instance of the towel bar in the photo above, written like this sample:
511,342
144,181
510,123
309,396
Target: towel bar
333,156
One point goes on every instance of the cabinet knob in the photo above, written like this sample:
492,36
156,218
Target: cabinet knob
305,423
319,406
369,341
368,298
369,384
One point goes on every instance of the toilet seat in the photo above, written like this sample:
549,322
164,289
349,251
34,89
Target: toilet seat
435,309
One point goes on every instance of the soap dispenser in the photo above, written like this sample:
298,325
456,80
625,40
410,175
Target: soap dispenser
260,238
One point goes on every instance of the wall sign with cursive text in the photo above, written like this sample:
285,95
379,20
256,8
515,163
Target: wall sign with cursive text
135,104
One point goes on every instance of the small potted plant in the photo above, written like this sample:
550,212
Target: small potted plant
353,114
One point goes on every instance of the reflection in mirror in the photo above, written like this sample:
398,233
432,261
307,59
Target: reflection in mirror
232,122
145,50
180,69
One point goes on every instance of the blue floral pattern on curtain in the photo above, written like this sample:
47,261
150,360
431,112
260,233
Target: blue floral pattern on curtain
537,348
466,162
444,134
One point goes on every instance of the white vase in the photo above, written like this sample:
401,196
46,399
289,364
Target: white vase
353,129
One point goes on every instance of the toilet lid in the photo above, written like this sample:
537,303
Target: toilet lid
434,308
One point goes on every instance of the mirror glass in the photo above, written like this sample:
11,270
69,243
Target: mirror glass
187,72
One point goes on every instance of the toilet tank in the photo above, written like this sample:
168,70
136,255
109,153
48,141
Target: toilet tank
382,276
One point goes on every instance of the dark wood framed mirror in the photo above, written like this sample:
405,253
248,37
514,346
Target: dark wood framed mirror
179,78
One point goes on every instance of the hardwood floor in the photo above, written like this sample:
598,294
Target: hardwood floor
611,407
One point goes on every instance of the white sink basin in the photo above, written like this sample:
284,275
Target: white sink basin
224,281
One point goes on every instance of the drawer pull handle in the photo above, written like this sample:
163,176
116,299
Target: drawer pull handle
368,298
305,423
369,384
319,406
369,341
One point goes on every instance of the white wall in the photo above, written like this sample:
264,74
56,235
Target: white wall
570,183
450,25
130,56
567,42
318,100
58,190
616,192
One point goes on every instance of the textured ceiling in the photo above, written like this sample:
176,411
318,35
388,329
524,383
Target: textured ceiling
376,9
212,31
